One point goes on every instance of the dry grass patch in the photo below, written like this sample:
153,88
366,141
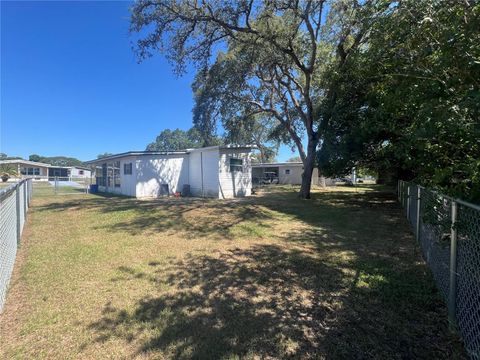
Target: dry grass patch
270,276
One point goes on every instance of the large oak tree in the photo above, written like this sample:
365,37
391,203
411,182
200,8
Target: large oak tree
273,58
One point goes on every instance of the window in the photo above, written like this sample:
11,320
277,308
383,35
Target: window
23,171
127,169
33,171
236,164
80,172
287,171
109,175
104,175
100,175
116,173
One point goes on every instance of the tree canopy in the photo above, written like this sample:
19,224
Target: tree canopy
104,155
388,86
171,140
294,159
4,156
408,106
270,58
56,160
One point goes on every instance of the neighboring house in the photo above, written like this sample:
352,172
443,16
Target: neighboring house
79,171
27,168
216,171
286,173
43,171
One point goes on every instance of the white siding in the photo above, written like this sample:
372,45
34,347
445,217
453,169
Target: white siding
203,172
238,183
128,183
295,176
75,172
206,170
154,170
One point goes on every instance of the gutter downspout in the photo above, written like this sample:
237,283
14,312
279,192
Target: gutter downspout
201,171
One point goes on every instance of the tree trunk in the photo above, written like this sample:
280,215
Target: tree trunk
308,169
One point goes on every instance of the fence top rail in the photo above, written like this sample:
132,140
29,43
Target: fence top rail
11,188
458,201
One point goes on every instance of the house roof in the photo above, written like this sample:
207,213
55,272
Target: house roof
177,152
35,163
135,153
293,164
27,162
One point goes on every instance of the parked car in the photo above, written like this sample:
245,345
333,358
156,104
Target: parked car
347,181
269,178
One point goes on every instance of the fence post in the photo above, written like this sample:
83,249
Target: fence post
17,203
417,233
56,184
408,202
25,202
452,290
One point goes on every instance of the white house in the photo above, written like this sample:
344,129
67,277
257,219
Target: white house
286,173
43,171
216,171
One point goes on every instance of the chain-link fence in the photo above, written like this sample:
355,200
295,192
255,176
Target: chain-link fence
50,186
448,231
14,203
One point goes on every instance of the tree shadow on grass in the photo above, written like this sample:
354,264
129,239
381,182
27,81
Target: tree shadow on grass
348,285
258,301
270,301
195,216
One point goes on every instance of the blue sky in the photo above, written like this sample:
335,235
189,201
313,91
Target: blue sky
71,85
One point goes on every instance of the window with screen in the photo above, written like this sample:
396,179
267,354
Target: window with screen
236,165
100,175
116,173
287,171
127,169
105,174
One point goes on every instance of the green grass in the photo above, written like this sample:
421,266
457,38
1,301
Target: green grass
270,276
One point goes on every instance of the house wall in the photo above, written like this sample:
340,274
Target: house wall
154,170
207,171
233,184
203,172
128,183
295,176
75,172
43,171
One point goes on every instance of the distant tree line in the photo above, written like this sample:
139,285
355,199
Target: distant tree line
56,160
53,160
4,156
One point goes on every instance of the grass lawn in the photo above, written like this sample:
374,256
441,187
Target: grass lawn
271,276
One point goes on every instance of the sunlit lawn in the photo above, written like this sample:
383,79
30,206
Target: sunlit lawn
271,276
